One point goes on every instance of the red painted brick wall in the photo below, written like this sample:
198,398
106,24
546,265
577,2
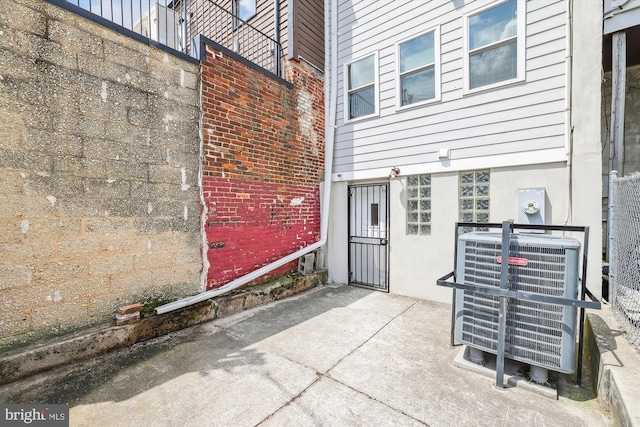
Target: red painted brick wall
264,160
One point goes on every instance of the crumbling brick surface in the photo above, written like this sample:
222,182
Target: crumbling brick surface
264,160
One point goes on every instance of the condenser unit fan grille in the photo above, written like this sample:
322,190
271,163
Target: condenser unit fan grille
537,333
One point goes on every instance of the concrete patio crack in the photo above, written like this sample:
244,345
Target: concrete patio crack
320,375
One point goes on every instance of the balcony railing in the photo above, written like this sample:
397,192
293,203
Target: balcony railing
221,26
176,23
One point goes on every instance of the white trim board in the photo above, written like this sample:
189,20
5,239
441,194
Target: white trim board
552,155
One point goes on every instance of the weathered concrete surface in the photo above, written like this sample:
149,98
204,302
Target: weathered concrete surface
333,356
20,364
99,159
631,123
615,367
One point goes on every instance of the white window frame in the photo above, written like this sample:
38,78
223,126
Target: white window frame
520,46
347,90
235,10
436,67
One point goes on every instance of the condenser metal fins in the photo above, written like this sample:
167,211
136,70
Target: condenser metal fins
540,334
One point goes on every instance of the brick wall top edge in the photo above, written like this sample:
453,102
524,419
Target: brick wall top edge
218,52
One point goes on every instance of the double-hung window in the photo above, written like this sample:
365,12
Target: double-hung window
494,45
361,88
418,69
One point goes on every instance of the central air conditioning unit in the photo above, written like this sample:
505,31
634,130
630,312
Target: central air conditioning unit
539,334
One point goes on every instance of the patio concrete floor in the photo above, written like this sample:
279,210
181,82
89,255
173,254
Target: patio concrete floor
335,356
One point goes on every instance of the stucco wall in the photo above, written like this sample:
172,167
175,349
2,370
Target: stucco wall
417,261
433,255
586,159
99,156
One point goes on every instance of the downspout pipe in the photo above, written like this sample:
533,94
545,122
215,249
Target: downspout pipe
568,107
568,70
276,33
618,81
330,129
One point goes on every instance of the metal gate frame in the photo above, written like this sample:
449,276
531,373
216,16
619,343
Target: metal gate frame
380,243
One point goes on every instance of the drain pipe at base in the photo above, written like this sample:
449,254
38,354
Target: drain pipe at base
324,223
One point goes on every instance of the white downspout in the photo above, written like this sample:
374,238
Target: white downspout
568,116
328,165
568,83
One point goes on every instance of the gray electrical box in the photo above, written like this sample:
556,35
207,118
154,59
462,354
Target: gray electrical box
531,206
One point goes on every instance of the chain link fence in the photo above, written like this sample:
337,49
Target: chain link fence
624,255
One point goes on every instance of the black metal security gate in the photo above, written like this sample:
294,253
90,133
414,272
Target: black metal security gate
369,236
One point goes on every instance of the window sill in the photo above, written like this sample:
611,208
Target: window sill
358,119
498,85
417,104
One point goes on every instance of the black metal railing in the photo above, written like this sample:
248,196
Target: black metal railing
360,106
216,23
175,24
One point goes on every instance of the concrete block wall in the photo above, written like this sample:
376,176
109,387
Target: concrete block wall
99,158
264,160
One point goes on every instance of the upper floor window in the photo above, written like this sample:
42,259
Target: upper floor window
244,10
494,45
361,87
418,74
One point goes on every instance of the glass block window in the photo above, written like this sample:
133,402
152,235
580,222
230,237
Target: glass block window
474,198
419,204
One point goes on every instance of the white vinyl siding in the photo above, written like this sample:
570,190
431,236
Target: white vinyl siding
519,120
